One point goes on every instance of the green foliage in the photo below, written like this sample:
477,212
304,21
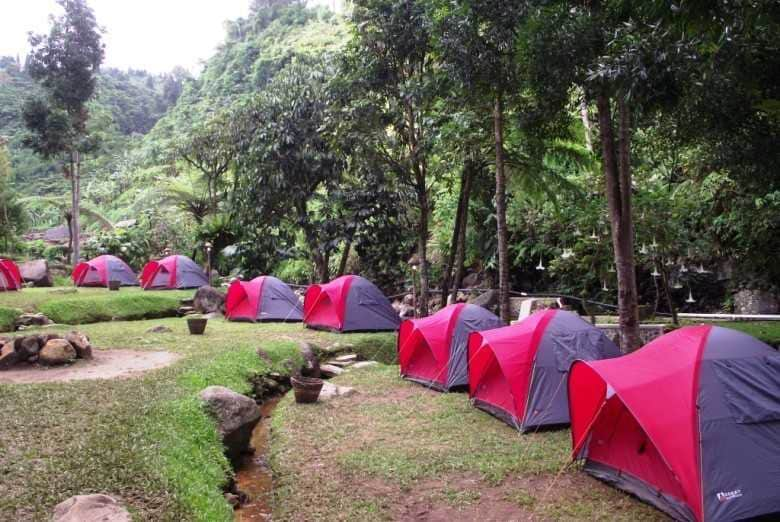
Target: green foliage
7,318
296,271
109,307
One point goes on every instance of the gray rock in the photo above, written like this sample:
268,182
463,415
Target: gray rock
488,300
26,320
756,302
330,370
236,417
27,346
311,364
90,508
159,329
331,391
57,352
208,299
364,364
37,273
471,280
81,344
8,356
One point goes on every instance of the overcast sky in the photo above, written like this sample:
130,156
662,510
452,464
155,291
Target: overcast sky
155,35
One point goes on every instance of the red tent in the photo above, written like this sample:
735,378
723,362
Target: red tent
172,272
349,303
10,277
433,350
518,373
263,298
690,423
103,269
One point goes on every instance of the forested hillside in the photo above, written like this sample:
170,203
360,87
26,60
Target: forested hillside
128,104
404,143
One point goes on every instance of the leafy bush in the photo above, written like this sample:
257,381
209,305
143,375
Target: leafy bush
128,307
296,271
7,317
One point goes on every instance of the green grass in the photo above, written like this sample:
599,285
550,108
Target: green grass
145,440
395,449
767,331
29,299
7,317
109,307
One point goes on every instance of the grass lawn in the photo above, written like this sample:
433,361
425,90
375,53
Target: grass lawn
68,305
396,450
145,440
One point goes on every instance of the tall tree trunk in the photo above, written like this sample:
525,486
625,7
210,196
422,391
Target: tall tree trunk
345,257
617,174
75,179
461,218
422,247
503,247
668,293
586,123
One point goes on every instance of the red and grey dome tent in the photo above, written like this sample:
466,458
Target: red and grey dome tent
263,298
690,423
173,272
433,350
101,270
10,277
349,303
518,373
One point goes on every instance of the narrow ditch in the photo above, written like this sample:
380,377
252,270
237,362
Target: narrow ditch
253,477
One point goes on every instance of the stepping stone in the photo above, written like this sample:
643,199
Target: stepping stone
337,348
364,364
331,391
330,370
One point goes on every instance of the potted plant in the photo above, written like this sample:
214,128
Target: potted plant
197,325
306,389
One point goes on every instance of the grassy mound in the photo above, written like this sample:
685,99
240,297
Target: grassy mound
109,307
7,317
146,440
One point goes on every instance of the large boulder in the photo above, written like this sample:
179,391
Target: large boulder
27,346
36,273
8,356
90,508
208,299
236,417
487,299
748,301
311,364
57,352
28,320
81,344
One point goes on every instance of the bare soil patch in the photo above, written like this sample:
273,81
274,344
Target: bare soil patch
105,364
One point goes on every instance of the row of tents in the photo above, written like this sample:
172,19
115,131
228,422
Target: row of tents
172,272
690,423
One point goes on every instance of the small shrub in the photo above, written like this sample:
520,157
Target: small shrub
81,310
7,318
295,271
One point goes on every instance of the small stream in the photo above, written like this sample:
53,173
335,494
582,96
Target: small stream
253,475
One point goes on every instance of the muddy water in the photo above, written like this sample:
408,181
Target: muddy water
253,476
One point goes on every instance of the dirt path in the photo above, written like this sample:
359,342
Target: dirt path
105,364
